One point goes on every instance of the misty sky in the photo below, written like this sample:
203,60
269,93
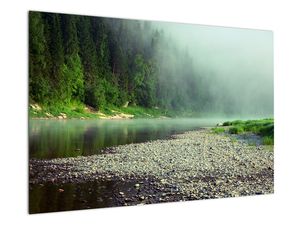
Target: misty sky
237,64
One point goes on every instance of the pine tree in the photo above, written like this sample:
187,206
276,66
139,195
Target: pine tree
93,84
74,70
39,86
53,32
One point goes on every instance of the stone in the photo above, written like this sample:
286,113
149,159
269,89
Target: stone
48,114
163,181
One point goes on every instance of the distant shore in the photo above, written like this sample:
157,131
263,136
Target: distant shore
80,111
193,165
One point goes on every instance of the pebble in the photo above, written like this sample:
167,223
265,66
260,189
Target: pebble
197,163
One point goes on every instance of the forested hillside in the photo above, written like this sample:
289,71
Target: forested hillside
103,62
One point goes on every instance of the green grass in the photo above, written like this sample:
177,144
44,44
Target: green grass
72,111
140,112
263,128
236,129
218,130
267,140
77,110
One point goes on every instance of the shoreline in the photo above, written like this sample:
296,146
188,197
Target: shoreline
194,165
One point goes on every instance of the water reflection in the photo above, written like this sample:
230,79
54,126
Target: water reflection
99,194
69,138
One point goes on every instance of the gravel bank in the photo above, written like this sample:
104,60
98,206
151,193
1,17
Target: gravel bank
193,165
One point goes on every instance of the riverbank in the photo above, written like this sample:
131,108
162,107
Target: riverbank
193,165
80,111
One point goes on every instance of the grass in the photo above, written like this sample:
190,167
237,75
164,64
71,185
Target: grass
236,130
79,110
263,128
218,130
141,112
55,111
268,140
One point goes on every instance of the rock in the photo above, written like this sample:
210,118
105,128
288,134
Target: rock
128,200
35,107
174,168
64,116
49,114
61,190
163,181
218,182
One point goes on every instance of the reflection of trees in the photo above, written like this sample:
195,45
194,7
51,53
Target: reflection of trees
55,139
92,139
51,139
47,198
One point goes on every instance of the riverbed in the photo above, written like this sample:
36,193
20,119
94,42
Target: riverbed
193,165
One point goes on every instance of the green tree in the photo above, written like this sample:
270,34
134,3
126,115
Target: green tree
74,70
93,85
39,86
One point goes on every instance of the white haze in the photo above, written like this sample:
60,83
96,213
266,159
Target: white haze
235,64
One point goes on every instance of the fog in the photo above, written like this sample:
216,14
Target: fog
235,66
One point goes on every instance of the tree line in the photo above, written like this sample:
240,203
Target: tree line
103,61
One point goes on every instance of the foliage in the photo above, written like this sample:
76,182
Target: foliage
268,140
105,63
263,127
236,130
218,130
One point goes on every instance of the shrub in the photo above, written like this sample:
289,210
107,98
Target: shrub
236,130
227,123
218,130
268,140
267,130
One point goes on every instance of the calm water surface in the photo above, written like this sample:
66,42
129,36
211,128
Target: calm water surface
68,138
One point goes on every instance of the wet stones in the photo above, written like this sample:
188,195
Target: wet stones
193,165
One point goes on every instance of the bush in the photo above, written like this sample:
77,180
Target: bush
227,123
267,130
218,130
268,140
236,130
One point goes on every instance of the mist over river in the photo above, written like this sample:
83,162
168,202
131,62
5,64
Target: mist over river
70,138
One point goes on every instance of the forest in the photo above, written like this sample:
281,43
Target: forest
109,63
105,62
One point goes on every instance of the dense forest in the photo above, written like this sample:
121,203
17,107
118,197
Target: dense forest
102,62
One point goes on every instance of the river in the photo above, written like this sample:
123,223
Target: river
70,138
50,139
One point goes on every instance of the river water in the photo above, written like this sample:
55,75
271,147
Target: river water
70,138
